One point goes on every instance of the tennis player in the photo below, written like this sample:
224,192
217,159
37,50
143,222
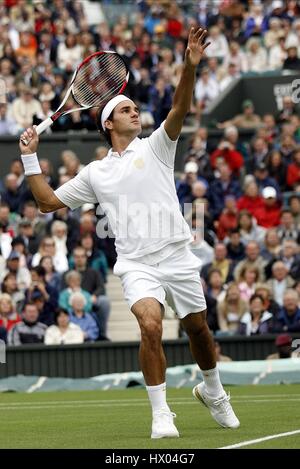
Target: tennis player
135,186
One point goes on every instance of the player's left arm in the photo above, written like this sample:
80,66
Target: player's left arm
184,90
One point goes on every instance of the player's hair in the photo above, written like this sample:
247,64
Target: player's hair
104,133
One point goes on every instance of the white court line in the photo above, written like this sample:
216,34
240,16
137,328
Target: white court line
117,402
250,398
259,440
70,405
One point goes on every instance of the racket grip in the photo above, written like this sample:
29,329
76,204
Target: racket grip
40,128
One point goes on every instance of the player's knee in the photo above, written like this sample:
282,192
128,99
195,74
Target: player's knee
195,325
151,329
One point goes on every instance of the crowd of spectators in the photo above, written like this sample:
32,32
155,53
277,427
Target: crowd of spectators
53,267
42,42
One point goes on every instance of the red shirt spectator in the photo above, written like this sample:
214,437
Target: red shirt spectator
251,201
228,218
293,170
268,216
227,152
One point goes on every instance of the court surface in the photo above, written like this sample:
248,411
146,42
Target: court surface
269,415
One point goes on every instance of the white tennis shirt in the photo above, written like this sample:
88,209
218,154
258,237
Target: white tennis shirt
136,190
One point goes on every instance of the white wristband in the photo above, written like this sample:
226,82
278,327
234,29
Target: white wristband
31,164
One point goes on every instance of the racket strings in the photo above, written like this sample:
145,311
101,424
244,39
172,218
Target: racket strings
99,79
85,93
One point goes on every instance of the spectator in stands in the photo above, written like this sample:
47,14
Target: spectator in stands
69,53
84,320
235,248
277,168
293,170
52,277
45,296
12,194
9,286
64,331
256,320
288,109
252,259
59,235
232,75
73,280
73,234
231,309
256,22
248,228
247,282
290,256
219,45
215,285
8,314
29,330
263,290
93,282
256,55
47,248
26,233
237,57
251,200
263,178
280,281
226,185
269,215
247,120
31,213
25,107
288,318
292,62
228,219
96,257
220,262
272,246
184,185
227,153
8,125
206,90
22,273
287,228
294,206
283,343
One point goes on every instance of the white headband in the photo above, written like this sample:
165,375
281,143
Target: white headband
110,106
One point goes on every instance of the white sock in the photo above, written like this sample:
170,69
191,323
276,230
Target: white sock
212,382
157,396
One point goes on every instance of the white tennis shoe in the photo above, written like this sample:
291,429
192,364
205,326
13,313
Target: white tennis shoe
220,408
163,425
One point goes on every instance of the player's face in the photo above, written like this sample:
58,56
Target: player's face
126,118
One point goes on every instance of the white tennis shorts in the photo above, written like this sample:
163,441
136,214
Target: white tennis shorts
175,280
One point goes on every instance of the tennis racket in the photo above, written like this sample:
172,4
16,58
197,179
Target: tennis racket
99,78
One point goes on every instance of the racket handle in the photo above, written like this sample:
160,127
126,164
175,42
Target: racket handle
41,127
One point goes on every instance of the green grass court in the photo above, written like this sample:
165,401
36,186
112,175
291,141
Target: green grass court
122,419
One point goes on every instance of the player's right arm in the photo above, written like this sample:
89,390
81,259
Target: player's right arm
72,194
42,192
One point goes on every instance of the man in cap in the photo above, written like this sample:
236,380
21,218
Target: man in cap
247,120
283,344
154,264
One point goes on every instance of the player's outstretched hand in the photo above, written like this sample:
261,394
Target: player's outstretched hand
30,136
196,46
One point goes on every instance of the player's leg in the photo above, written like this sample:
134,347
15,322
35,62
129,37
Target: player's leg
210,392
148,312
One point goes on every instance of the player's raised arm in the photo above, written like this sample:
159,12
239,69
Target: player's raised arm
184,91
42,192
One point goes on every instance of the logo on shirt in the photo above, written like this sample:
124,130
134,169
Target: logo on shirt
139,163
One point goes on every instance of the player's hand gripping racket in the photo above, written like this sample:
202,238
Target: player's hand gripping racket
99,78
